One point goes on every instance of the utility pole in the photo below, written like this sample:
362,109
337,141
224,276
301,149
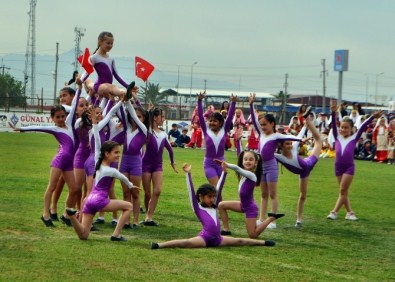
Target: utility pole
56,72
79,33
324,73
3,67
284,98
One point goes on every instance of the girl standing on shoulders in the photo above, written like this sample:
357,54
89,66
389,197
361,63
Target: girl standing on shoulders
204,205
345,142
268,140
98,199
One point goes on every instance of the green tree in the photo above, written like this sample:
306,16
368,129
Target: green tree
151,94
11,92
282,98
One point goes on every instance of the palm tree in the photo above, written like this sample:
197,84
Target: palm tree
282,97
151,94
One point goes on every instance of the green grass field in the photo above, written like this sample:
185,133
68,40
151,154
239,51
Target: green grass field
322,250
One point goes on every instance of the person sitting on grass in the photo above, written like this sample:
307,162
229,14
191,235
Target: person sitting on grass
204,205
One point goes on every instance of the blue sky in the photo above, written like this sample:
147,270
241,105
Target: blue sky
250,44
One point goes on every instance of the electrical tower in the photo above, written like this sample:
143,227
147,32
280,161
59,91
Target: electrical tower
30,56
79,33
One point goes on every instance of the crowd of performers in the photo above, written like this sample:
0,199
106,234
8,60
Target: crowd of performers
89,159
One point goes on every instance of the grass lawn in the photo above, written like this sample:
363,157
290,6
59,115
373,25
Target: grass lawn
322,250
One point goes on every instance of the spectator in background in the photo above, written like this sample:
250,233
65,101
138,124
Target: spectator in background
182,140
343,109
173,134
367,151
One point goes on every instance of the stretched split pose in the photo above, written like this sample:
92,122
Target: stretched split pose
204,205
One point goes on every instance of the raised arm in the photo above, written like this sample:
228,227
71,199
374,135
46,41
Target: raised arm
133,114
109,115
220,186
231,113
247,174
254,118
200,112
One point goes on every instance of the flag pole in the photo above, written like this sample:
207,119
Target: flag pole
145,93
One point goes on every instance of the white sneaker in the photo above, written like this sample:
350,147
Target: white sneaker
258,222
298,224
332,215
351,216
271,226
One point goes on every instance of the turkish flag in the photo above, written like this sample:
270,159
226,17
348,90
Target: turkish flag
143,68
84,61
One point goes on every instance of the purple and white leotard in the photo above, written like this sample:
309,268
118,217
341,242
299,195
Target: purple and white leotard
66,137
131,162
208,217
296,164
215,143
98,198
153,157
267,148
344,147
106,70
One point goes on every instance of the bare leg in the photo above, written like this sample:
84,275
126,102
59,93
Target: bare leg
79,175
147,188
115,205
254,230
302,197
56,194
195,242
264,200
54,175
345,182
213,180
157,180
223,207
82,229
231,241
72,195
136,180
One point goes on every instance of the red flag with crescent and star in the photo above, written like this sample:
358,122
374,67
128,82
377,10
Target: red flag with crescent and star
143,68
84,61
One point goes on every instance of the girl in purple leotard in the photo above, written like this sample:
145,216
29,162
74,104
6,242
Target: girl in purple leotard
249,171
105,68
268,141
345,142
104,176
152,164
62,163
204,205
132,156
215,138
290,158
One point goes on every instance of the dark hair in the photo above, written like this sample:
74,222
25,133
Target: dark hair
154,113
72,80
217,116
85,120
68,89
350,121
223,105
174,124
143,112
101,37
107,147
270,118
258,169
204,190
57,108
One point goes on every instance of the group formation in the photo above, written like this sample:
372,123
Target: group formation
89,157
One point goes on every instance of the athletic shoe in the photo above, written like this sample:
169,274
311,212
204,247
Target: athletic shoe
66,220
129,90
54,216
298,224
127,226
114,223
47,222
71,211
307,112
98,221
269,243
275,215
150,223
271,226
258,222
226,232
94,228
118,239
351,216
332,215
154,245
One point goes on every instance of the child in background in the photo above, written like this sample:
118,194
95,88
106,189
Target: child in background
183,139
345,142
204,205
